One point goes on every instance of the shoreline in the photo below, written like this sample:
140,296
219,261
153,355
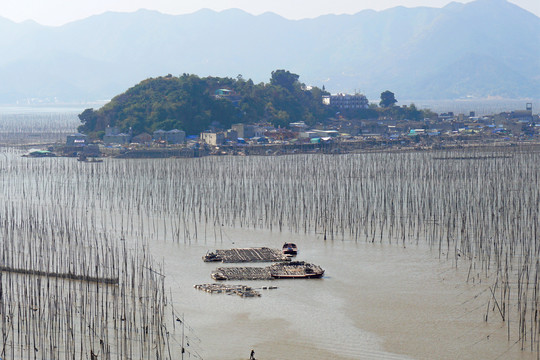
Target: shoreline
338,148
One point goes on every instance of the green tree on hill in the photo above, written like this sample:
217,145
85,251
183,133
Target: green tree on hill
388,99
284,79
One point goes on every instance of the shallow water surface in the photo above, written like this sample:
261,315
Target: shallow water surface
374,302
377,300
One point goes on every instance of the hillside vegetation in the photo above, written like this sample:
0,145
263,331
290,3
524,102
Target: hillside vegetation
194,104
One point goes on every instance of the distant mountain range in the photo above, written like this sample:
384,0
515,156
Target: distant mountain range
485,48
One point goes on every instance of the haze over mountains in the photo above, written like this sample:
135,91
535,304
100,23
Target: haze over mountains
481,49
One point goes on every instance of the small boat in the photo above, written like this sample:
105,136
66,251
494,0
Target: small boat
290,249
218,275
211,256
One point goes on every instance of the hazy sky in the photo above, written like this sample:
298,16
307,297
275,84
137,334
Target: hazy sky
58,12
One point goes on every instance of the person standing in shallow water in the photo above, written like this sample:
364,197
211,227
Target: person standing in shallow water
252,355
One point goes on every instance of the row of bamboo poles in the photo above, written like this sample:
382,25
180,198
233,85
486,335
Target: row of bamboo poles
69,290
36,126
481,211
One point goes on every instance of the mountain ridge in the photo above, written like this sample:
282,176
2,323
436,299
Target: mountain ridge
401,49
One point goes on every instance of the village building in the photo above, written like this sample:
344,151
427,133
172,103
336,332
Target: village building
76,140
213,138
346,101
173,136
75,143
159,135
114,136
244,131
120,139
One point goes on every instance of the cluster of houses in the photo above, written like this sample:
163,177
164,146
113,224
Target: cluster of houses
511,125
521,124
114,137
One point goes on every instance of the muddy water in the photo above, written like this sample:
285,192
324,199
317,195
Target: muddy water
374,302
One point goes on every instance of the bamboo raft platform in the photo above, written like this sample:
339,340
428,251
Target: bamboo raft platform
291,270
296,270
70,276
240,290
241,255
242,273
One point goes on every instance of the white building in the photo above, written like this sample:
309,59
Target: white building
346,101
326,133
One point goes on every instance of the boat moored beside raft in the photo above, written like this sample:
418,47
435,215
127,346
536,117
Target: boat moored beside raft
290,249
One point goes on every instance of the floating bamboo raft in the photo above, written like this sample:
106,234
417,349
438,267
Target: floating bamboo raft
291,270
262,254
296,270
242,273
240,290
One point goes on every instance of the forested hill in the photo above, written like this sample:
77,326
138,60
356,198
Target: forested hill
193,104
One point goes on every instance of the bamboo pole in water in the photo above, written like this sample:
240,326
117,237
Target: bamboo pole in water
478,209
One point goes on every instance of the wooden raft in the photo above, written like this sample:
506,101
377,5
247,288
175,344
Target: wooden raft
242,273
240,290
241,255
296,270
291,270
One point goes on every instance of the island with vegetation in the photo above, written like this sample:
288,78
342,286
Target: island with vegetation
194,104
